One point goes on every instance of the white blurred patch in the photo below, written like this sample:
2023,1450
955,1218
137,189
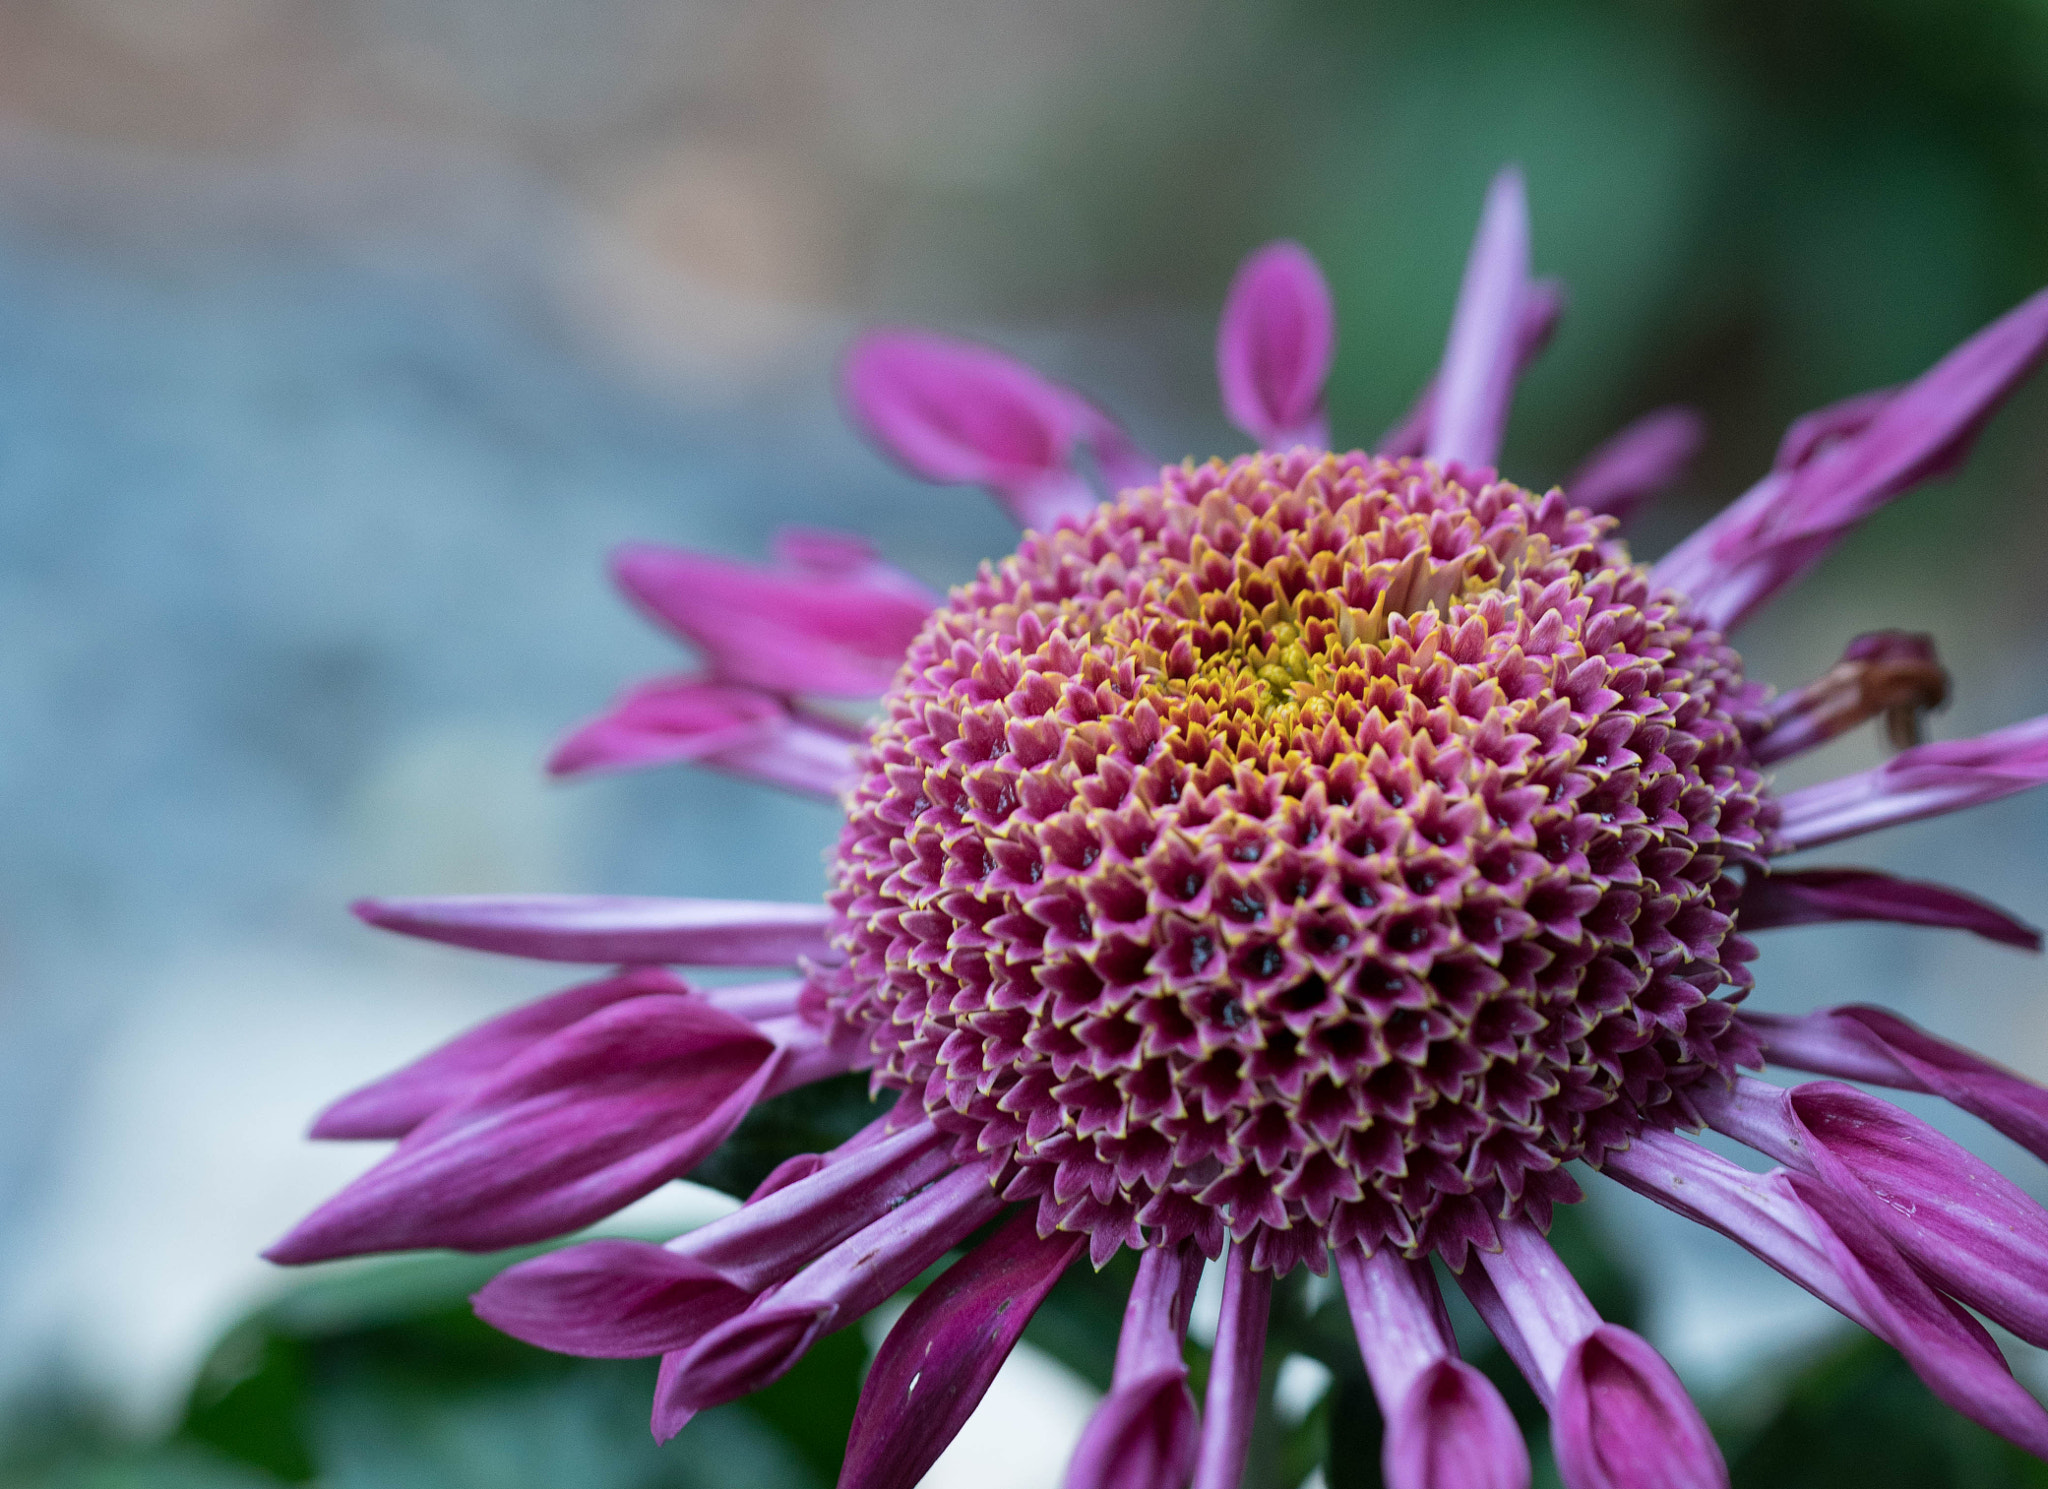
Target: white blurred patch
1024,1431
1301,1383
1205,1314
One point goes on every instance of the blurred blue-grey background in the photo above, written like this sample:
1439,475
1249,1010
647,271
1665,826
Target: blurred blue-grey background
340,341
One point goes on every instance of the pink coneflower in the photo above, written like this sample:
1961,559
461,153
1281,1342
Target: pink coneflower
1296,860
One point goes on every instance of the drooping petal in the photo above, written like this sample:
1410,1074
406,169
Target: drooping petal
609,1300
962,414
1844,467
1623,1421
582,1124
1274,346
1447,1426
1820,896
784,632
1924,781
1144,1434
1964,1225
757,1347
1542,308
1478,377
1453,1431
1824,1244
1232,1398
1619,1417
393,1106
727,726
937,1363
1860,1043
1633,466
1893,673
612,928
620,1298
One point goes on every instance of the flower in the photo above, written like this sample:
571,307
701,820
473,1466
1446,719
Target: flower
1295,860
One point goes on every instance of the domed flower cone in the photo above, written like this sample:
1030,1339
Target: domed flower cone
1297,859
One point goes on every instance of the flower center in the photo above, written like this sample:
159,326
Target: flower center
1311,846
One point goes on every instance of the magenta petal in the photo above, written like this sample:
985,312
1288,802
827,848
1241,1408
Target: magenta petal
1478,377
1232,1398
746,1353
958,413
1453,1431
612,928
395,1105
609,1300
1637,463
795,632
1143,1436
1973,1231
1274,345
1622,1420
582,1124
726,726
1924,781
1542,308
937,1363
1819,896
1873,1044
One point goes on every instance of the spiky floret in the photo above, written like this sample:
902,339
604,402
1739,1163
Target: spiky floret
1319,847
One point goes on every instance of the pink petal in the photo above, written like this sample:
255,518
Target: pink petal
1453,1431
1637,463
1818,896
726,726
962,414
1274,346
937,1363
609,1300
1872,1044
1840,466
393,1106
1925,781
785,632
1144,1435
1478,377
1623,1421
1542,308
582,1124
1232,1398
612,928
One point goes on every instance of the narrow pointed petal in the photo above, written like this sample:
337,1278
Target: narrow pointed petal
609,1300
1925,781
1274,346
961,414
784,632
759,1346
1478,378
1842,465
937,1363
1453,1431
1823,896
1234,1364
726,726
1891,673
1398,1316
1623,1421
1968,1228
1542,308
1861,1043
582,1124
1826,1245
393,1106
1145,1435
1638,463
612,928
